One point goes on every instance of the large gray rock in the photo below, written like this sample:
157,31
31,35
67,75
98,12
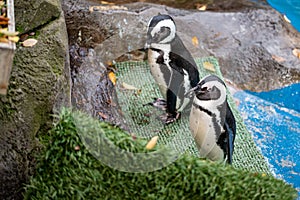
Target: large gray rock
254,47
39,86
33,14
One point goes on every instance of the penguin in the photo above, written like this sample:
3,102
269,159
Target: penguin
171,65
211,121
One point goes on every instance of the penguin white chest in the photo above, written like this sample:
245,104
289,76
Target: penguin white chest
203,128
158,70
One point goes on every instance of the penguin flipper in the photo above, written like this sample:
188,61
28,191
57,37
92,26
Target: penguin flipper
175,85
230,128
230,141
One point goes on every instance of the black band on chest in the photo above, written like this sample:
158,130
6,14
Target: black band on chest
155,49
204,110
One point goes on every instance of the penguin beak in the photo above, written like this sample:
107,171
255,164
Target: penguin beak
148,42
188,93
147,46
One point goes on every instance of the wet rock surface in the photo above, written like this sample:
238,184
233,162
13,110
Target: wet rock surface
248,45
35,13
254,47
39,86
252,42
211,5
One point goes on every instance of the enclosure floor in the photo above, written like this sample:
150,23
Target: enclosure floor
136,87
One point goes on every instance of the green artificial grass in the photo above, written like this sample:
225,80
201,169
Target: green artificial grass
144,120
68,169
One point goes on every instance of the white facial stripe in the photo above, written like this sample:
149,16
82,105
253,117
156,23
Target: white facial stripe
149,24
214,103
165,23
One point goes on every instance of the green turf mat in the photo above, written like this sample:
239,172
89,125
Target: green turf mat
136,87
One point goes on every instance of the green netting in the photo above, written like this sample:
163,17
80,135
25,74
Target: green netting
144,121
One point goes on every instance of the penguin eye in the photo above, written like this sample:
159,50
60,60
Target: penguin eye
164,29
204,89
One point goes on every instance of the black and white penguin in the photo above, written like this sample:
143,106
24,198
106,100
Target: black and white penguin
171,65
212,122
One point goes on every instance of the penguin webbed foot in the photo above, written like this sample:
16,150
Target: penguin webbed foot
159,103
169,118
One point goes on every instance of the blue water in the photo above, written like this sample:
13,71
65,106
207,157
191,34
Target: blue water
291,8
273,118
288,97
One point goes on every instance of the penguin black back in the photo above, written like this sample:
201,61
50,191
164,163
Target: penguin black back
171,64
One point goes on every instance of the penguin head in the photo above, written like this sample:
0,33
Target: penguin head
161,30
210,92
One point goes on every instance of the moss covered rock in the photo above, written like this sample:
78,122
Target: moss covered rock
39,85
33,14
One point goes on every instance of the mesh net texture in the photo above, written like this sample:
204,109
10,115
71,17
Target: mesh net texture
136,87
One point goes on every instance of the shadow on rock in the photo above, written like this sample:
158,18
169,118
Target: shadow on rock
254,47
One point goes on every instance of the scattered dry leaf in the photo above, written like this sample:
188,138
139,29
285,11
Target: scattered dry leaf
112,77
111,102
91,9
133,136
106,3
6,36
209,66
217,35
151,144
4,40
2,18
8,33
106,8
30,42
278,58
109,63
138,92
128,87
195,41
104,116
14,38
77,148
23,37
202,7
286,19
296,52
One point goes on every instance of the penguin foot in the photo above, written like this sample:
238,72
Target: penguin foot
169,118
158,103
